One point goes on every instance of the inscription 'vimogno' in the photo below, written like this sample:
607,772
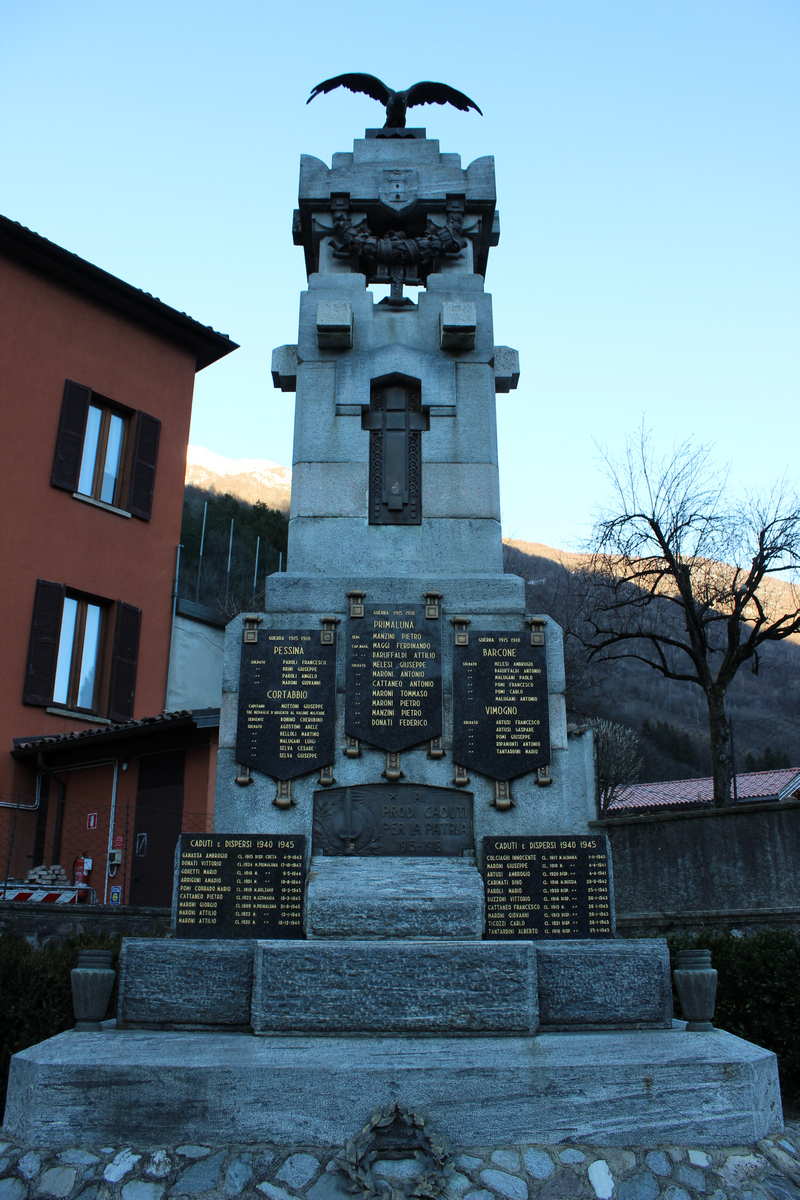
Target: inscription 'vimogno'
500,706
396,819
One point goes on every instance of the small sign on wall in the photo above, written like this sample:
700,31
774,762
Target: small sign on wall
119,841
115,896
91,820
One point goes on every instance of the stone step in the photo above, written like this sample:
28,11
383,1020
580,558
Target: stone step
304,985
185,984
381,898
596,984
394,987
605,1089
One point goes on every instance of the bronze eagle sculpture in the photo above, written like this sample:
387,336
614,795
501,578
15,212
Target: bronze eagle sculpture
397,102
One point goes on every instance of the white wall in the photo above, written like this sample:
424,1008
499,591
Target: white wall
196,665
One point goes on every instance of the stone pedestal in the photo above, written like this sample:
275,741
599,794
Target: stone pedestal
426,985
605,1089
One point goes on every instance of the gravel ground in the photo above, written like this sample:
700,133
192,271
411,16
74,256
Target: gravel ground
769,1170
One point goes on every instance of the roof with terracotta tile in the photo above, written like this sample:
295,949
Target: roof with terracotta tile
76,273
199,717
685,793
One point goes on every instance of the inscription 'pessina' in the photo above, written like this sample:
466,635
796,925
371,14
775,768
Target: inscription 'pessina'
287,703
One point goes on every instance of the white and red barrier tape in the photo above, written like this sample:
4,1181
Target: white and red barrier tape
40,894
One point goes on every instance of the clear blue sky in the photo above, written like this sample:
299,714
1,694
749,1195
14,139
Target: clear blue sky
648,174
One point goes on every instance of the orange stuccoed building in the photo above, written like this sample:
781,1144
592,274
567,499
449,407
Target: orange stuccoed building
97,380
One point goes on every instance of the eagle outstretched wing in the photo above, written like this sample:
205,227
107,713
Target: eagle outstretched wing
439,93
355,82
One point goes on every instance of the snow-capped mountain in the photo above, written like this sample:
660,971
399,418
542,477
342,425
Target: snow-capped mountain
249,479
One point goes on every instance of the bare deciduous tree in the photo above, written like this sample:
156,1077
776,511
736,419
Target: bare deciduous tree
618,761
684,576
561,593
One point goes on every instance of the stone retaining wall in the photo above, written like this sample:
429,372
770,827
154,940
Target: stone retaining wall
721,868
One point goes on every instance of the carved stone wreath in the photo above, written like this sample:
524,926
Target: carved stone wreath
361,1153
395,249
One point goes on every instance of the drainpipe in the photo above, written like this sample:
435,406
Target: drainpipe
172,627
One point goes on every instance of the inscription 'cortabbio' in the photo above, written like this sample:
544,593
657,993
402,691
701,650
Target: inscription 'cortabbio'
397,819
287,693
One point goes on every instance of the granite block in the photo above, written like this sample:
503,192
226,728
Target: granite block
461,490
334,325
457,325
587,984
566,806
329,489
161,1088
394,987
332,545
381,898
491,595
184,984
355,371
506,369
284,368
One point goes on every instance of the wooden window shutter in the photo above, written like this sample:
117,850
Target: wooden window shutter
71,428
122,682
43,648
143,470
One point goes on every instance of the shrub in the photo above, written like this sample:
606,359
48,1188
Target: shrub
36,990
758,988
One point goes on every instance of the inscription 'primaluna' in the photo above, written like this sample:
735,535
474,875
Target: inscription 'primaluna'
393,693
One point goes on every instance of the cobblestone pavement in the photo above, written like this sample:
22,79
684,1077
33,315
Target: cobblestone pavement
768,1171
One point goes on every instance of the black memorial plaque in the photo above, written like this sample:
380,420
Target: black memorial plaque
287,703
548,887
232,885
393,691
399,819
501,724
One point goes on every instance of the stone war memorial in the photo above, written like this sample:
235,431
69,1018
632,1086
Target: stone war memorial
403,906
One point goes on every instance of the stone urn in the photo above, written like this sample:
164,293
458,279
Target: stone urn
696,983
92,981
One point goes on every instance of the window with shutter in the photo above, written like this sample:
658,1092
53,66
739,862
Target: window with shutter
102,454
68,656
43,648
122,684
143,467
71,429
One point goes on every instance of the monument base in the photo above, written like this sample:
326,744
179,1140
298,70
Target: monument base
608,1089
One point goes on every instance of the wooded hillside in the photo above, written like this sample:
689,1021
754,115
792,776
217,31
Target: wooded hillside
670,717
241,588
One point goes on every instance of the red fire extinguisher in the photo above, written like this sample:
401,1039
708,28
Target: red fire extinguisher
80,872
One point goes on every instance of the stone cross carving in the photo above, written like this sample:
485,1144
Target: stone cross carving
395,420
